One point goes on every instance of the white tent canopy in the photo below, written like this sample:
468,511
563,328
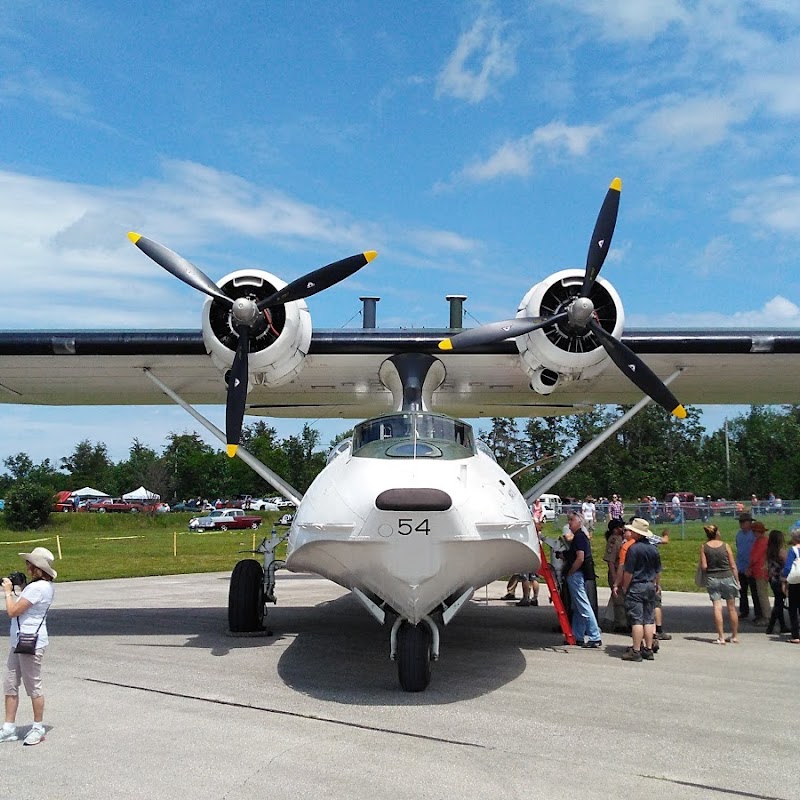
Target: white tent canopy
87,491
141,494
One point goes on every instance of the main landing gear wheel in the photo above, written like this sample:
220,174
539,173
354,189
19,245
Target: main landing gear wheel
413,657
246,597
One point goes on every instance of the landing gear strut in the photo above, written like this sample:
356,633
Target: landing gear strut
252,587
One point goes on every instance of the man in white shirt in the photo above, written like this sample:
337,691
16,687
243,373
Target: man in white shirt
589,512
677,515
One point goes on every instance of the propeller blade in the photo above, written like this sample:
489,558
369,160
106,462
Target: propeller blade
638,372
178,266
237,392
601,236
319,279
498,331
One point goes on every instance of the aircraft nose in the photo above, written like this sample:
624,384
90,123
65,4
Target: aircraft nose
413,499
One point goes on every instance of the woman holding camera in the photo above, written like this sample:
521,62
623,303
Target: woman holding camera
28,614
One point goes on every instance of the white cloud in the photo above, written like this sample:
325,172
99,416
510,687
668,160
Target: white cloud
620,20
484,57
64,97
693,123
772,206
66,244
516,157
778,312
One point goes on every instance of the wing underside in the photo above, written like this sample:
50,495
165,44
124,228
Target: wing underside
340,377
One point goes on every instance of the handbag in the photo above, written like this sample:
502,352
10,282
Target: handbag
700,575
26,642
794,572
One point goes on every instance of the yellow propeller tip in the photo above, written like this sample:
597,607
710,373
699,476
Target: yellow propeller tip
445,344
134,237
232,448
679,412
616,184
370,254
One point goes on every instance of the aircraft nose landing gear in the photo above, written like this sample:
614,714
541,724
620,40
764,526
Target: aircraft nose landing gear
414,647
252,587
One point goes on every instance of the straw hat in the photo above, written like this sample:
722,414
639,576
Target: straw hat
42,558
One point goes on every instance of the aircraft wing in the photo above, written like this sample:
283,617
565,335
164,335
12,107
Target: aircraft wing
340,374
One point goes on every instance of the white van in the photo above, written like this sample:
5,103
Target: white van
551,504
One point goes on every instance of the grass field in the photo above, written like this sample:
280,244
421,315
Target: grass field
123,546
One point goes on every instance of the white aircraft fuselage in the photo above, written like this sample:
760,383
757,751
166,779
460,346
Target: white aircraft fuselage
413,513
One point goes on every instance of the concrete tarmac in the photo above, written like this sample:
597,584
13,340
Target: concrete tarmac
147,694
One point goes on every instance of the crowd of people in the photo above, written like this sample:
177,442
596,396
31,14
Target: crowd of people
761,563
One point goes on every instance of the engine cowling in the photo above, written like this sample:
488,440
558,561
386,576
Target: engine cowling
278,346
558,353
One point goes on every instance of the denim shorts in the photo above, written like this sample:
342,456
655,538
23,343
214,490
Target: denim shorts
722,588
640,604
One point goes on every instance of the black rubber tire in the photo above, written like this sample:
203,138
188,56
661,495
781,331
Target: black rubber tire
223,527
101,511
413,657
134,511
255,525
246,597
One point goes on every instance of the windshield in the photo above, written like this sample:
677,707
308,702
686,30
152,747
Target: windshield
413,435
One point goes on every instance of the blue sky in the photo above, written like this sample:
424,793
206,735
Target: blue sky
471,144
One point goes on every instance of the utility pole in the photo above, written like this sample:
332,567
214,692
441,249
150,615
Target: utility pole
727,461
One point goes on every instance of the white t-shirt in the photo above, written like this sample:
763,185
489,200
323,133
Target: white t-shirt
588,511
39,594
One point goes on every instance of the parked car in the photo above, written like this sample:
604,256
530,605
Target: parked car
119,506
62,501
223,519
249,503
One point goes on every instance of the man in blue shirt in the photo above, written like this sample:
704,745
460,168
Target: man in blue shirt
579,569
744,544
641,583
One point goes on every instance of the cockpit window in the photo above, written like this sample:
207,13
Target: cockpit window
413,435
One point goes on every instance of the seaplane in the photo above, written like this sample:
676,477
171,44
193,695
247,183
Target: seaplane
412,514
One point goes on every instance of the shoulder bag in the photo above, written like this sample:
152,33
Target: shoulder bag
700,575
26,643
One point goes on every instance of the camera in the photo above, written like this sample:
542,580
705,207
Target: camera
17,579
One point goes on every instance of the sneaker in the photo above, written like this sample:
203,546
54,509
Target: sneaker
664,637
760,621
535,601
34,736
648,655
524,602
593,644
509,596
632,655
8,735
656,646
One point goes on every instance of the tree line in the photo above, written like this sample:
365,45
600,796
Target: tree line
652,454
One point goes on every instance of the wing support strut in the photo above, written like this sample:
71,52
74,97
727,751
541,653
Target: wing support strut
272,478
570,463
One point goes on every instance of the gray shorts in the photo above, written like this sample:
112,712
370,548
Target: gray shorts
722,588
24,669
640,604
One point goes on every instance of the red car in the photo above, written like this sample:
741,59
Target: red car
117,507
224,519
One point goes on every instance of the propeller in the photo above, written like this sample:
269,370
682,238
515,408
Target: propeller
580,315
247,313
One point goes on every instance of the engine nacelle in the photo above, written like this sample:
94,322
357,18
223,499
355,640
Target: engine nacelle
277,349
558,353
